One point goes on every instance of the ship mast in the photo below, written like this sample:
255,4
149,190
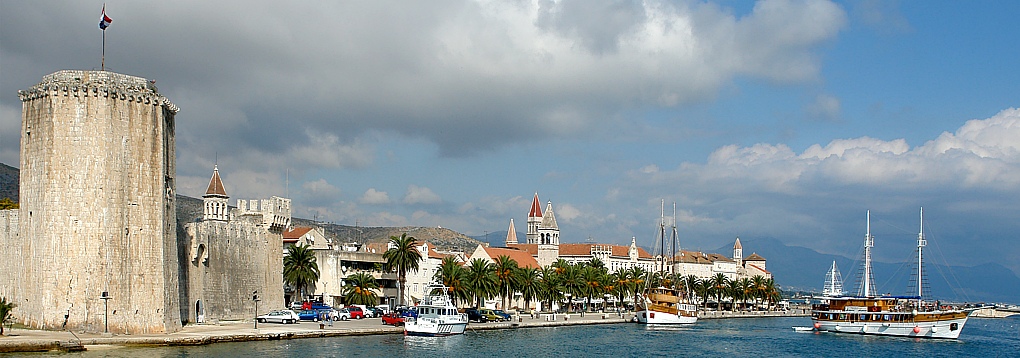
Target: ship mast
921,242
868,280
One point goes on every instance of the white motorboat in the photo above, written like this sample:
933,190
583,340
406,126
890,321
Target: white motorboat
435,315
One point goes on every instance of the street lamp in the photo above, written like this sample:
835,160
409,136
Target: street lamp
106,311
255,297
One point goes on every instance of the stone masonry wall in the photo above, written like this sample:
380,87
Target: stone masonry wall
10,241
227,261
97,205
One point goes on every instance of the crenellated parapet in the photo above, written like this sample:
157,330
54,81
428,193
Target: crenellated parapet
273,213
77,83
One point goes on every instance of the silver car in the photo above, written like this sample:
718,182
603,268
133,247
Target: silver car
281,316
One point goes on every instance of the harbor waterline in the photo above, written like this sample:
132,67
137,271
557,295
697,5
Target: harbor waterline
767,337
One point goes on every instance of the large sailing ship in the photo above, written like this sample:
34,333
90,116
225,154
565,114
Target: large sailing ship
867,313
662,304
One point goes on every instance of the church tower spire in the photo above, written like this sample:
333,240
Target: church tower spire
738,253
215,199
534,221
511,235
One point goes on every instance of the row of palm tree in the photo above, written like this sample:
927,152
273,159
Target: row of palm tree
480,280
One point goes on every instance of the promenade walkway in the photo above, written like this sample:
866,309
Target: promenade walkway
27,340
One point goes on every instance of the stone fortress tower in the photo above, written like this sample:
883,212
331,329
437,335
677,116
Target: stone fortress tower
96,243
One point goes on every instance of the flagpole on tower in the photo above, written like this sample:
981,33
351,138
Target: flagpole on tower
104,22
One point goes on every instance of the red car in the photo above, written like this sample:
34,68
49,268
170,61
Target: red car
356,312
393,318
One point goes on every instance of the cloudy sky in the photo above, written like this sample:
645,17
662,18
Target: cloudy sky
779,118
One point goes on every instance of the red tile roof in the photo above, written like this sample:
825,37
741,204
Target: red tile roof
294,234
536,208
754,257
583,250
523,258
215,185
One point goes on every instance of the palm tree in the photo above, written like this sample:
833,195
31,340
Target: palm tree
691,285
451,275
481,280
772,293
592,279
300,269
704,289
758,288
403,257
359,289
597,263
5,312
719,283
735,291
638,283
572,281
551,289
506,277
529,280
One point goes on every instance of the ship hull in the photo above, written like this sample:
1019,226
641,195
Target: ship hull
426,327
656,317
948,329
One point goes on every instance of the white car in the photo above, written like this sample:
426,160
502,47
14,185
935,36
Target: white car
340,314
281,316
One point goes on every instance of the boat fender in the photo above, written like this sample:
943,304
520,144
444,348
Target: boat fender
917,329
934,330
818,325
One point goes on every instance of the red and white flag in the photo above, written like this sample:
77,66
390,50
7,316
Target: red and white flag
104,21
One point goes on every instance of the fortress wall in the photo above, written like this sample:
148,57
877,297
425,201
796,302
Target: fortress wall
10,269
227,261
97,183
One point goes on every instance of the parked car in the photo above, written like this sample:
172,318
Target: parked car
384,308
393,318
373,312
356,312
340,314
281,316
490,316
506,316
474,316
309,315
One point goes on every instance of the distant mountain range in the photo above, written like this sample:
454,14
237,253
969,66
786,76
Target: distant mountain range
802,269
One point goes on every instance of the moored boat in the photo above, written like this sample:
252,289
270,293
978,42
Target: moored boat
664,305
436,315
909,316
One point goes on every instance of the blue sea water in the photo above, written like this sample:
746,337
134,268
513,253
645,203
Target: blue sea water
758,337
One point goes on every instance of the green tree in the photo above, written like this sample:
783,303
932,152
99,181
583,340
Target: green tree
719,284
506,277
551,290
359,289
451,275
300,269
8,204
481,280
529,280
573,282
758,288
403,257
5,312
595,283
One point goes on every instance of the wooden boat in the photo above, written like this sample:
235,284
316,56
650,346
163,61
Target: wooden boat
663,305
909,316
